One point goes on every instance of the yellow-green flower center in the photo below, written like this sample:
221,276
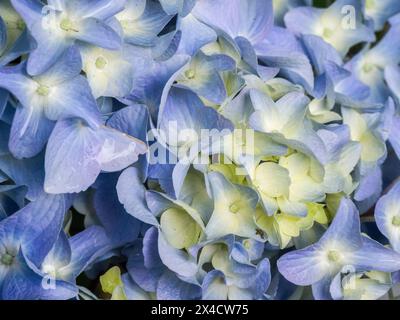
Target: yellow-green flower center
20,24
101,63
66,24
7,259
43,90
127,24
327,33
396,221
368,67
247,244
369,4
234,208
190,74
334,256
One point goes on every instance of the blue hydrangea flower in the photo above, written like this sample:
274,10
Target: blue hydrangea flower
341,245
60,24
199,149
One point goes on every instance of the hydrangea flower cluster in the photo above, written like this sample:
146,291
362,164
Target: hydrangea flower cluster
199,149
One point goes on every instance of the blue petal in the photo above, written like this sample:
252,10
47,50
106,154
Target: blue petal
3,35
132,290
374,256
68,66
214,287
370,184
166,46
3,101
15,80
386,210
144,264
302,267
206,82
120,226
295,66
35,228
28,172
395,134
176,260
73,99
143,30
320,52
60,254
25,284
170,287
134,121
29,10
381,11
131,193
263,279
392,77
150,249
182,7
86,247
345,227
99,34
76,154
49,49
249,19
321,289
302,20
387,50
187,110
30,131
99,9
152,86
195,35
21,46
71,162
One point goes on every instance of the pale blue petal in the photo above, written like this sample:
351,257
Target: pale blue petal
370,184
170,287
76,154
195,35
49,49
29,10
99,9
214,287
374,256
385,211
68,66
16,81
98,33
147,26
302,20
302,267
392,77
176,260
71,162
321,289
131,193
73,99
345,227
249,19
183,7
